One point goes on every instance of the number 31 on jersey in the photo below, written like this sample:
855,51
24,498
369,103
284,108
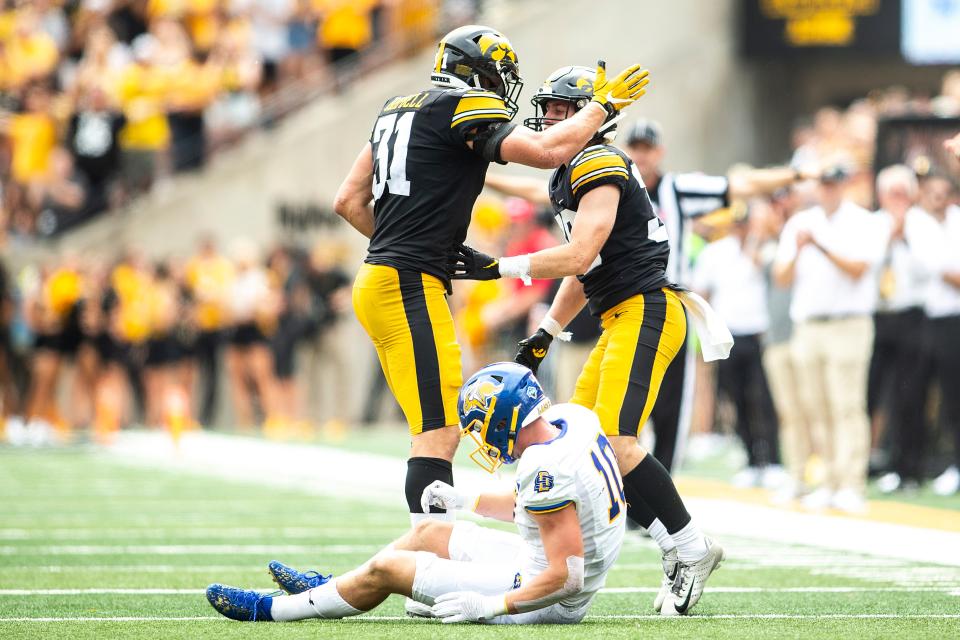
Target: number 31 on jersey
392,135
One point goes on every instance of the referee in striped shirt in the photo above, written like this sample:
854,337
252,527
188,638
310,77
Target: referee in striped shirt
678,198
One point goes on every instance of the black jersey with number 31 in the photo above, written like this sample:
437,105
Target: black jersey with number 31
634,258
425,177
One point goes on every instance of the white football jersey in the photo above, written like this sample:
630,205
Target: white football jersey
577,467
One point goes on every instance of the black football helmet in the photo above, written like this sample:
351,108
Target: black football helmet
481,58
573,85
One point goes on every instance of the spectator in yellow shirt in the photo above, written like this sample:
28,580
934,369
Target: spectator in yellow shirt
32,134
141,92
51,313
209,277
345,27
31,54
191,87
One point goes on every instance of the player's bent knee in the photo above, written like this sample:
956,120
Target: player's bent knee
432,535
392,571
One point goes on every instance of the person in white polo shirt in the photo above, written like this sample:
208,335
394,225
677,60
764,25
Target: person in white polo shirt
830,254
901,363
729,272
943,308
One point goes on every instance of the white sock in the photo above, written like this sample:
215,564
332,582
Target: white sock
295,607
691,545
320,602
449,516
659,533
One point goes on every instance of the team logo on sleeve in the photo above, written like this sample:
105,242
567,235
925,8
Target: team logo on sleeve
543,482
517,580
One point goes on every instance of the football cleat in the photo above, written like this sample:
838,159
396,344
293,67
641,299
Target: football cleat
244,605
690,580
671,565
293,581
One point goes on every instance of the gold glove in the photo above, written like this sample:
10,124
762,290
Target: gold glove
622,91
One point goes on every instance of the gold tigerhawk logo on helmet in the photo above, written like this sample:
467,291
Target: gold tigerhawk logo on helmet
496,47
539,353
585,83
479,394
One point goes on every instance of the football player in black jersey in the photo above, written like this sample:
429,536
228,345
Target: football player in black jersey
614,260
423,167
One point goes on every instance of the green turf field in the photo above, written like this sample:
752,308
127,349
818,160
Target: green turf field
93,548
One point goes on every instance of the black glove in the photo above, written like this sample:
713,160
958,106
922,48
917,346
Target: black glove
531,351
466,263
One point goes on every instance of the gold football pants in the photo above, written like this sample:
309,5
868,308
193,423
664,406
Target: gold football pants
622,376
408,319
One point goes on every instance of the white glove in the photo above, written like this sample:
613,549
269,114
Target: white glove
468,606
440,494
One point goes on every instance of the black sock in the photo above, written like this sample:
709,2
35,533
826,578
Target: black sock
421,472
637,508
650,482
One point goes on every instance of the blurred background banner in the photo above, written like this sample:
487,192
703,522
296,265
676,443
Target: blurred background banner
797,28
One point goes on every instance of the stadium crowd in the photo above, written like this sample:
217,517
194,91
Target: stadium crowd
843,297
146,341
99,98
843,294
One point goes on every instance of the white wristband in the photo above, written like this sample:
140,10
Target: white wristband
468,501
550,325
494,606
516,267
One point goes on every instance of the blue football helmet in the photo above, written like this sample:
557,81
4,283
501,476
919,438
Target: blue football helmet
494,404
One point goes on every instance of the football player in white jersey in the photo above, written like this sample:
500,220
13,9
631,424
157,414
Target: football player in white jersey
568,506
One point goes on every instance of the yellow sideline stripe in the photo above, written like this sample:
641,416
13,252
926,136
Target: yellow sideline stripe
886,511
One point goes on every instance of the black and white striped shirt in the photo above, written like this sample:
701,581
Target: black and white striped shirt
679,197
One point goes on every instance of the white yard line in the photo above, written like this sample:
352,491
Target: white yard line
126,568
608,590
187,531
184,549
99,591
362,619
328,471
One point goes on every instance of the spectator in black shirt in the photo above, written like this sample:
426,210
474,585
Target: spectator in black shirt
93,138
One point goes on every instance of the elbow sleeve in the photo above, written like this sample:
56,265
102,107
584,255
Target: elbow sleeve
487,141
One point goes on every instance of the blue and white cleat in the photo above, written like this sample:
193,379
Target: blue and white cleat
294,582
244,605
